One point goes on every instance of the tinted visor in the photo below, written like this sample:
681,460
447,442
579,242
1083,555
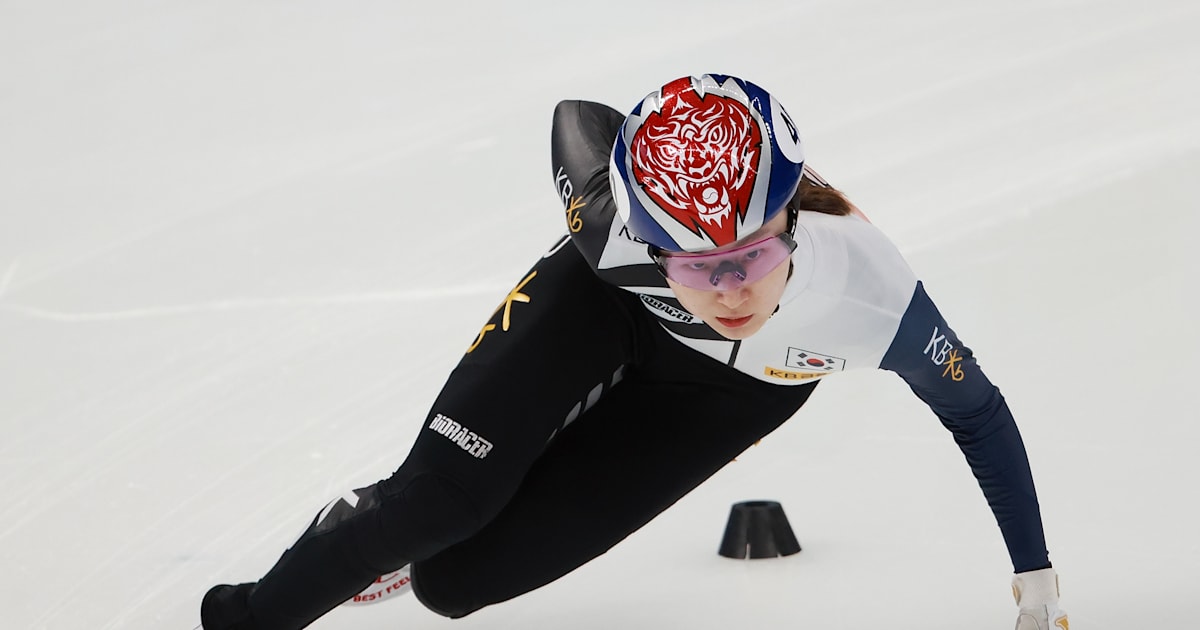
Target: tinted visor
729,269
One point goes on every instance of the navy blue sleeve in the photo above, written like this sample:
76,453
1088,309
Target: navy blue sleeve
942,372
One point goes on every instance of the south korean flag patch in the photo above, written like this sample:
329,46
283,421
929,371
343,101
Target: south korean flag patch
814,361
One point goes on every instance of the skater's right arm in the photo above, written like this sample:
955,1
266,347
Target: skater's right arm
581,142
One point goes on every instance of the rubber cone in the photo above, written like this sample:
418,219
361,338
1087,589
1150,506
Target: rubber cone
758,529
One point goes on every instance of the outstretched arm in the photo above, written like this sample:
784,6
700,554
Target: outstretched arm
942,372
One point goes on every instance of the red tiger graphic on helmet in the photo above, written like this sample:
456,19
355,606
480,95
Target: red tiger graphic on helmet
697,158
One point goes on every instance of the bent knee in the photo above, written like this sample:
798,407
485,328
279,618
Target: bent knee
440,592
427,514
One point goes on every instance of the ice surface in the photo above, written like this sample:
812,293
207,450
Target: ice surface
241,244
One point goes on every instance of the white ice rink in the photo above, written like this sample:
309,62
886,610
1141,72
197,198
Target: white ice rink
242,243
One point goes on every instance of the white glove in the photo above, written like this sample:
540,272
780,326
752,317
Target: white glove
1036,593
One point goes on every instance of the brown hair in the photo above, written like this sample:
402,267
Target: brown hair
814,197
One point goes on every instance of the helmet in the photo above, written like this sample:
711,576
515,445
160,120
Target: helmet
704,161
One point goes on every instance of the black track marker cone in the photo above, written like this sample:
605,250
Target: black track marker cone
758,529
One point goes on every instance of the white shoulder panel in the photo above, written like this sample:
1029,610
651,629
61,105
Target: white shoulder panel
842,307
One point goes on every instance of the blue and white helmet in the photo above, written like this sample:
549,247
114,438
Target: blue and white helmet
703,162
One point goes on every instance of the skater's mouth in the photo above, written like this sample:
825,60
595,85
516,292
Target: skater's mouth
735,322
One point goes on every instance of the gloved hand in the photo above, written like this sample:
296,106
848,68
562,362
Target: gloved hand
1036,593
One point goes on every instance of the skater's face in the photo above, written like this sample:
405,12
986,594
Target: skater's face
741,310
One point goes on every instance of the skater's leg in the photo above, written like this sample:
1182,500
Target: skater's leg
559,340
636,453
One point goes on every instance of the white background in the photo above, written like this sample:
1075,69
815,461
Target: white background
242,243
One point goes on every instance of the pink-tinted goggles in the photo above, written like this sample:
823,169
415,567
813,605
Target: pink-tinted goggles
730,269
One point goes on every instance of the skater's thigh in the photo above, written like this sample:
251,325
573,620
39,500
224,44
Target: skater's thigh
558,341
654,439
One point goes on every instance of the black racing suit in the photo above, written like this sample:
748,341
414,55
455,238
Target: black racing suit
591,401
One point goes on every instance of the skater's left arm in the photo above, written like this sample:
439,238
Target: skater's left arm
942,371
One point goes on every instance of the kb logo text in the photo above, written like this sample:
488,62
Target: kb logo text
942,352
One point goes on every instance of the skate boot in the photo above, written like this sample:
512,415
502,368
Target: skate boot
225,607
